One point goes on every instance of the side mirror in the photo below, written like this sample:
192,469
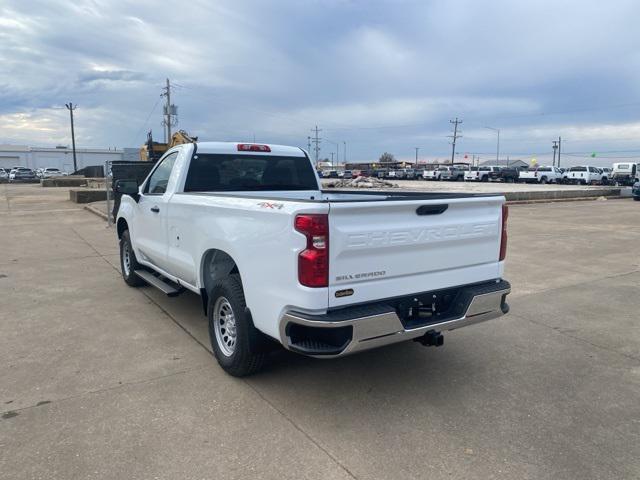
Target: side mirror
128,187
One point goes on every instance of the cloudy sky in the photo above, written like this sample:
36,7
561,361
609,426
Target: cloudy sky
380,75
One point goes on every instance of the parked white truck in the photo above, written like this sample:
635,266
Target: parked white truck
278,260
541,175
480,174
584,175
625,173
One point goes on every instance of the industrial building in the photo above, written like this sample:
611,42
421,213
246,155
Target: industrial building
506,163
61,157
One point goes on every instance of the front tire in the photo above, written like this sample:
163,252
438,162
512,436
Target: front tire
234,339
128,262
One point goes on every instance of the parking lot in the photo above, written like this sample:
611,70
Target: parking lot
99,380
482,187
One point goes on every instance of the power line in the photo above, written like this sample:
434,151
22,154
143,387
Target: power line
508,117
146,121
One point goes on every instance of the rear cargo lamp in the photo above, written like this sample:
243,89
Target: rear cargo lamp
503,238
313,262
253,147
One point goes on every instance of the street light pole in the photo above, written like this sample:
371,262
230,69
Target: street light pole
71,107
344,157
337,150
498,147
417,148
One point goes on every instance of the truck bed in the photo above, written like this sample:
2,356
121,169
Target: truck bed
341,196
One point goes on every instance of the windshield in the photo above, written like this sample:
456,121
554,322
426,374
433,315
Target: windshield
238,173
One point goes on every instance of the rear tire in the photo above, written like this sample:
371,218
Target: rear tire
234,339
128,262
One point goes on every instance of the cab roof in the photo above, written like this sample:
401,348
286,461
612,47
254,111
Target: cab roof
232,148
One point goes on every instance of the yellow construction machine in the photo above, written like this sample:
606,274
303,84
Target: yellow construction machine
152,151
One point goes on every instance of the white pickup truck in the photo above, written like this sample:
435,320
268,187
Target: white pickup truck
480,174
584,175
278,260
541,175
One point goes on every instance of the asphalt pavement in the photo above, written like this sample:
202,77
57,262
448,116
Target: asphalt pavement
100,380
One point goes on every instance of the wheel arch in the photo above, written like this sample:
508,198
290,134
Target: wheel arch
121,226
215,264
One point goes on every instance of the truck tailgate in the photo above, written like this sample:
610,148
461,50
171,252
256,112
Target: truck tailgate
385,249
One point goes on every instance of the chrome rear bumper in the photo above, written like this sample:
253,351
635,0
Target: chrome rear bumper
378,325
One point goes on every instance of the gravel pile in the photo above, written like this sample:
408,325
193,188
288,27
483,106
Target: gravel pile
362,182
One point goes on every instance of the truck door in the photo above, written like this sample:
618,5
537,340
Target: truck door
151,217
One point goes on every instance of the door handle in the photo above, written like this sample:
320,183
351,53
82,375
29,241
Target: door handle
155,209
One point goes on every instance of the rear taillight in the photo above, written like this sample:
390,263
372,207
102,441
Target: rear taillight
253,147
313,261
503,237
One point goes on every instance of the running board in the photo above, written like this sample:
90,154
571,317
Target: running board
167,288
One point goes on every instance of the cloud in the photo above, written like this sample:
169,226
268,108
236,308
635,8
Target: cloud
381,75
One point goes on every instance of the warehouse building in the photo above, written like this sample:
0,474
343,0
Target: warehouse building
506,163
60,157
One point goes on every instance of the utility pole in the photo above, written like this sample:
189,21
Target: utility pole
417,148
555,147
455,137
559,148
316,141
169,111
71,107
332,159
345,151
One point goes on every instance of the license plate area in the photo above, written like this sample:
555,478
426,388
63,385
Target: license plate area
417,311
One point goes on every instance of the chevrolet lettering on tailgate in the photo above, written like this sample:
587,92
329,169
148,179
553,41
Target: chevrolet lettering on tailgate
420,235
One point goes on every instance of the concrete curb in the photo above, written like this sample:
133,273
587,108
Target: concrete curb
560,195
96,211
559,200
